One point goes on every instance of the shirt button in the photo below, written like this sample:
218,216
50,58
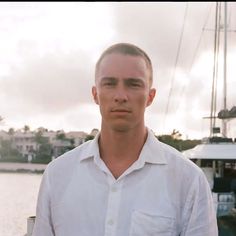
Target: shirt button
110,222
113,189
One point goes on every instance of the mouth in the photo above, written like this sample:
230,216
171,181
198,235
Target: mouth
120,110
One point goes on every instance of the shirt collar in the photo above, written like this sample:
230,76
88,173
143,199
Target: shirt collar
152,151
91,150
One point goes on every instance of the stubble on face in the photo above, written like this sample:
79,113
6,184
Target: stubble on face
122,91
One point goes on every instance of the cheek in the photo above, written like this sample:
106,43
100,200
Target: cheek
144,99
102,98
140,102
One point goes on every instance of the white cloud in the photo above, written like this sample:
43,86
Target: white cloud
49,50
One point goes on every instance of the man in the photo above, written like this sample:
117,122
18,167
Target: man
124,182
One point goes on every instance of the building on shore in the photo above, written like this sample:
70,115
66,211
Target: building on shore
27,143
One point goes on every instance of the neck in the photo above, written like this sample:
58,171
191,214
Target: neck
119,150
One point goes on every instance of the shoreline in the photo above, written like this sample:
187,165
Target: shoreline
14,167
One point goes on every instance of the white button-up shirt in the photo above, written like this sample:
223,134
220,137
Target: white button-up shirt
161,194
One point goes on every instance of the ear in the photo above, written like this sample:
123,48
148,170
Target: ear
95,94
151,96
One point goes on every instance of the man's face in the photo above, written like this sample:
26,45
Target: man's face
122,91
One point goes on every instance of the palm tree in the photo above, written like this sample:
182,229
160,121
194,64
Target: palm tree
176,134
11,131
26,128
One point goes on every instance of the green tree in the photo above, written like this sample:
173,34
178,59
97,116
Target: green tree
174,140
26,128
67,143
89,137
170,140
61,136
188,144
10,154
11,131
43,152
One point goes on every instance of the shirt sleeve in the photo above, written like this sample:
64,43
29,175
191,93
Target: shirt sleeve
199,216
43,223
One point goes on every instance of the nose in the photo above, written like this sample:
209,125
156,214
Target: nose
120,95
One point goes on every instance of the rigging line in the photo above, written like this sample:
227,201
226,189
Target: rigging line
176,61
217,64
213,81
194,55
200,39
215,68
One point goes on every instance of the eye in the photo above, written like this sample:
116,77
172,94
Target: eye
108,82
135,83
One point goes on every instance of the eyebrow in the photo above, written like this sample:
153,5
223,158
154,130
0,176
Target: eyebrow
108,79
136,80
127,79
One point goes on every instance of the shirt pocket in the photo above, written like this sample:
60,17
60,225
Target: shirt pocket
146,224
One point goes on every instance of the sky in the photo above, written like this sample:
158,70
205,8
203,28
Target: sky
48,52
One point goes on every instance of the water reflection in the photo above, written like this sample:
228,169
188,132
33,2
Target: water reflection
18,196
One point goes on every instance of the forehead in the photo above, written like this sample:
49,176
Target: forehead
120,65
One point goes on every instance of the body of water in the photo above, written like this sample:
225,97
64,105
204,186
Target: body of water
18,198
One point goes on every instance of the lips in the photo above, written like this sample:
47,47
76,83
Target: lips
120,110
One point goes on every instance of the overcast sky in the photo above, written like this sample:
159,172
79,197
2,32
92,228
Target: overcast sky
48,52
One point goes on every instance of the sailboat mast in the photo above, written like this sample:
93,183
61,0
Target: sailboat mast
224,122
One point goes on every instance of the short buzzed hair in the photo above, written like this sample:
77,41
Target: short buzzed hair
127,49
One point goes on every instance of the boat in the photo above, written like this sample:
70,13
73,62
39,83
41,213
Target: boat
216,156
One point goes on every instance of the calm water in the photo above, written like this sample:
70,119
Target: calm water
18,196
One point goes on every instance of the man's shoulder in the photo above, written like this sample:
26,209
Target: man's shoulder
62,170
70,158
170,156
175,159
